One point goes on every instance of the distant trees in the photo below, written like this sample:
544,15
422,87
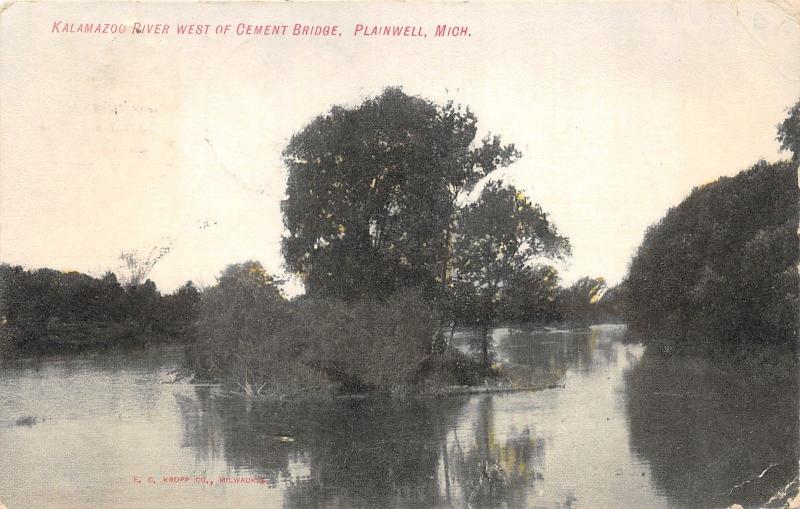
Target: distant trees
531,295
50,311
580,302
498,238
372,193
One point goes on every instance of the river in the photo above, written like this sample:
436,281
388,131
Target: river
621,427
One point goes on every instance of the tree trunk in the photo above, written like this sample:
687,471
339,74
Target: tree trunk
485,346
447,255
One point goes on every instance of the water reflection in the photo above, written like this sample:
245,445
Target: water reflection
368,453
538,358
715,431
491,471
478,451
341,453
621,427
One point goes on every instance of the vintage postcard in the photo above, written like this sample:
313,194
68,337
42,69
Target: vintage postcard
530,254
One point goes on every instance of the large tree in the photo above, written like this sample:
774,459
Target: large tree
721,267
372,193
500,237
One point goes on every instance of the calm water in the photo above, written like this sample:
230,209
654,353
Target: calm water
624,428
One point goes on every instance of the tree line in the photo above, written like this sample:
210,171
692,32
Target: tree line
720,268
50,311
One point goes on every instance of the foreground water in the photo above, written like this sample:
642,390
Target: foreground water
622,427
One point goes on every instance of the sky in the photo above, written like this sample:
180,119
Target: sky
121,142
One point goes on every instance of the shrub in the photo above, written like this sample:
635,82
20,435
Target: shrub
251,337
370,343
244,334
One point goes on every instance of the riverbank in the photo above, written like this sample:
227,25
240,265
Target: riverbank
84,338
331,394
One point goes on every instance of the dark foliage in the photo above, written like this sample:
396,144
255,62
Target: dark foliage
372,191
789,132
49,311
721,267
251,337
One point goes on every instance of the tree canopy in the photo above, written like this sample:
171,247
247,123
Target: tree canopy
372,193
721,267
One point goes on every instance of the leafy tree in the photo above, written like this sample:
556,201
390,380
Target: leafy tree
789,132
144,302
721,267
498,238
181,308
108,298
372,193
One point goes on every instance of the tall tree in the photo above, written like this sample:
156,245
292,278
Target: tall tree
372,193
499,237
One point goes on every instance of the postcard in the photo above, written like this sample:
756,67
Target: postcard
535,254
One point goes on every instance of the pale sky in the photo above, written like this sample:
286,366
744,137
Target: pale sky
117,142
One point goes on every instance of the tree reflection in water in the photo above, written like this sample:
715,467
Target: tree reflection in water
367,453
714,430
492,472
